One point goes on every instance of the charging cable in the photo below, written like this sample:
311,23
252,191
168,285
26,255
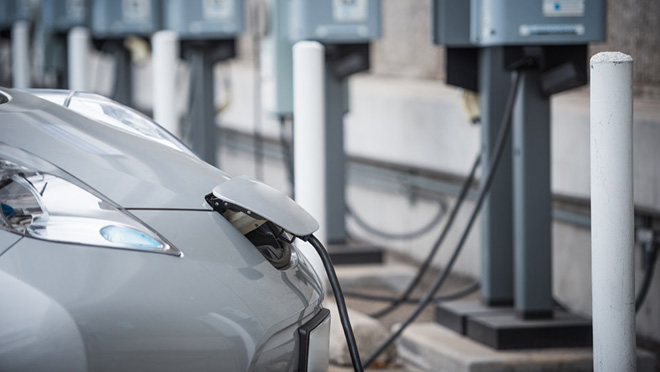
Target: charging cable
460,293
502,137
339,298
436,246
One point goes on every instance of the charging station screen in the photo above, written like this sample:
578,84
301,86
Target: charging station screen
350,10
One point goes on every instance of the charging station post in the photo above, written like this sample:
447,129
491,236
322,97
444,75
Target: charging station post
67,41
112,22
15,19
208,31
345,29
546,42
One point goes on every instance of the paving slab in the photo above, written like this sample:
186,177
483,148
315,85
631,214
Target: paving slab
431,347
369,334
392,276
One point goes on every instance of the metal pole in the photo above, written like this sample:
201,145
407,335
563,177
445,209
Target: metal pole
202,108
309,137
612,275
20,54
497,211
532,200
123,91
78,41
164,66
335,158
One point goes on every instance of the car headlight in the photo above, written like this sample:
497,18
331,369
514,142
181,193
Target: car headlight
41,201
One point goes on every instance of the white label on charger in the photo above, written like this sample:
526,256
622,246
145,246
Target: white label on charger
76,9
563,8
350,10
136,10
218,9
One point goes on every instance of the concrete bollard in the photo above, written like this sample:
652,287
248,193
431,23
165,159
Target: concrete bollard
612,213
165,59
20,54
309,138
78,40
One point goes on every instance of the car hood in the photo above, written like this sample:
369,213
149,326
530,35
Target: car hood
131,171
221,306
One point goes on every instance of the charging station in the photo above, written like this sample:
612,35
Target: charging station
6,20
207,30
345,29
276,61
7,14
15,21
112,22
58,17
546,42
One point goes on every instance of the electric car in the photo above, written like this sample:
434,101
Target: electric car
120,250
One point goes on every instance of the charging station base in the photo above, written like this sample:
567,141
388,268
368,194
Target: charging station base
502,329
355,254
432,347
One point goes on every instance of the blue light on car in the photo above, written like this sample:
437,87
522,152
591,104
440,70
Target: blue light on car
41,201
130,237
7,210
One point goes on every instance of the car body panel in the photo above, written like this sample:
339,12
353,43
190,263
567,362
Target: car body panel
221,306
129,170
7,239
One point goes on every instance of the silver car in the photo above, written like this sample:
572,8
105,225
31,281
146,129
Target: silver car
113,258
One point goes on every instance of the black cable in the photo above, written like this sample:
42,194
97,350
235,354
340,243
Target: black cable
401,236
502,137
288,162
651,255
287,154
341,304
436,246
462,292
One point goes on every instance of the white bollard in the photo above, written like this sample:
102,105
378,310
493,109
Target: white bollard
165,59
612,213
309,137
20,54
78,40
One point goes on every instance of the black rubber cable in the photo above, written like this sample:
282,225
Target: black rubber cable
462,292
648,276
341,303
400,236
288,162
502,137
287,154
436,246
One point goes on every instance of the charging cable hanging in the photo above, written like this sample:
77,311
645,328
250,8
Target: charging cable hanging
341,303
502,137
436,246
399,236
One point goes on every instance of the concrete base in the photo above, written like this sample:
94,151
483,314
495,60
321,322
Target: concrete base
431,347
369,334
509,332
502,329
454,314
355,253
